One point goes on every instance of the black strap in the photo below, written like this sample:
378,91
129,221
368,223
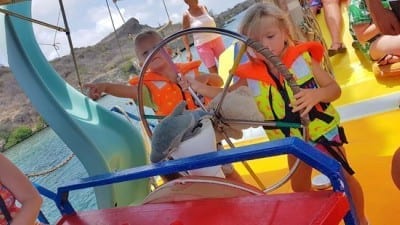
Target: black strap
338,155
5,211
315,114
289,115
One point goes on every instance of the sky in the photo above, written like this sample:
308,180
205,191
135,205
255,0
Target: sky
89,20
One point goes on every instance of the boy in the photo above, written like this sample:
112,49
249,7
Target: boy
161,78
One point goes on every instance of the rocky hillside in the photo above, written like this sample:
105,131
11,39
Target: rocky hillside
108,60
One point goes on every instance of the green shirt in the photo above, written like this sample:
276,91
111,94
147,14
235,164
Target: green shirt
359,14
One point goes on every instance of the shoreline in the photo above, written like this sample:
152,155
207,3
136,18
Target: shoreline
2,149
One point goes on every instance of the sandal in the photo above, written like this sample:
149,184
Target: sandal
340,49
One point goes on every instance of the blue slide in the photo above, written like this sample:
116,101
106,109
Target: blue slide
103,141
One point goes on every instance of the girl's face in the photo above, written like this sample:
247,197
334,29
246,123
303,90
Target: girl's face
271,36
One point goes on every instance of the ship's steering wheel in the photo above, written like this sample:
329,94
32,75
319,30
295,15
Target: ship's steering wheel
273,60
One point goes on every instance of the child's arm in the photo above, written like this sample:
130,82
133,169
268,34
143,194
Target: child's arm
199,87
328,91
118,90
207,90
211,79
23,190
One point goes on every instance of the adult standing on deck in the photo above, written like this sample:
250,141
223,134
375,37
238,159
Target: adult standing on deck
334,22
208,45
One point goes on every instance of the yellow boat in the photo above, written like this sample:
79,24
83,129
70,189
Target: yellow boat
368,106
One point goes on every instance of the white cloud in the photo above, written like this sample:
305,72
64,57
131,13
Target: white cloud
89,20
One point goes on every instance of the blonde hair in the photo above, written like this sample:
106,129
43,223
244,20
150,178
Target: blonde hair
145,35
250,24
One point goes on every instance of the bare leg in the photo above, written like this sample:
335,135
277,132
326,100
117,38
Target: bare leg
301,179
357,196
356,193
385,45
333,19
396,168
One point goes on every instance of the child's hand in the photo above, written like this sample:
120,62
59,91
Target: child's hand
305,100
95,90
186,82
388,59
183,83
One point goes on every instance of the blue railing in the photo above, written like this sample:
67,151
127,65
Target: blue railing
295,146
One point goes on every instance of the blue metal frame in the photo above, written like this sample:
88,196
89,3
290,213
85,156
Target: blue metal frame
295,146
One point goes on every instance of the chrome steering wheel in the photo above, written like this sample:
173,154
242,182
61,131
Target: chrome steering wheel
273,61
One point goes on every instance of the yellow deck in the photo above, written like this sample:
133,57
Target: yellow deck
373,139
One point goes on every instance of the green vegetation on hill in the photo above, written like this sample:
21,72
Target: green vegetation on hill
17,136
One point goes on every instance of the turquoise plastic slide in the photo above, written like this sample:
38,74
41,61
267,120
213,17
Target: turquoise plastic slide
103,141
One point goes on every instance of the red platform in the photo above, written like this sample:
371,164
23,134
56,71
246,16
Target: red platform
311,208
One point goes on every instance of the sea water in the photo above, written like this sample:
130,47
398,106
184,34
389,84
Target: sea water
46,150
42,152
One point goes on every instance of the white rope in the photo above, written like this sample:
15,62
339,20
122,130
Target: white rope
52,169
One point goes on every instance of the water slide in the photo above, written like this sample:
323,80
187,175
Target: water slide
103,141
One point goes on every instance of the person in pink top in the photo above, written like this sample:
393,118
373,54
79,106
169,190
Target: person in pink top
15,186
208,45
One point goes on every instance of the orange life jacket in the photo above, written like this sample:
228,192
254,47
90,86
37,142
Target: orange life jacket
273,95
165,93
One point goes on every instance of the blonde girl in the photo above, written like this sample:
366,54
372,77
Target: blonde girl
267,24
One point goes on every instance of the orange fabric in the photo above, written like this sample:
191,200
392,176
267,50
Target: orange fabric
259,70
186,67
165,93
255,70
314,48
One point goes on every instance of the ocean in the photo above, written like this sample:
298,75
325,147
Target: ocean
46,150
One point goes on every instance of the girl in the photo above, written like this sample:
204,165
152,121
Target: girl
268,25
161,78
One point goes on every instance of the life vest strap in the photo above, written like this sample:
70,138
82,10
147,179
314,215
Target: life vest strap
333,148
315,114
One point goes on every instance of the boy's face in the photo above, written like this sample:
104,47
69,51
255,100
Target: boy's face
144,48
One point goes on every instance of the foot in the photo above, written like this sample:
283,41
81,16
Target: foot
388,59
336,48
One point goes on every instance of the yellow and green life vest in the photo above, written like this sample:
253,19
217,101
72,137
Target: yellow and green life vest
273,94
